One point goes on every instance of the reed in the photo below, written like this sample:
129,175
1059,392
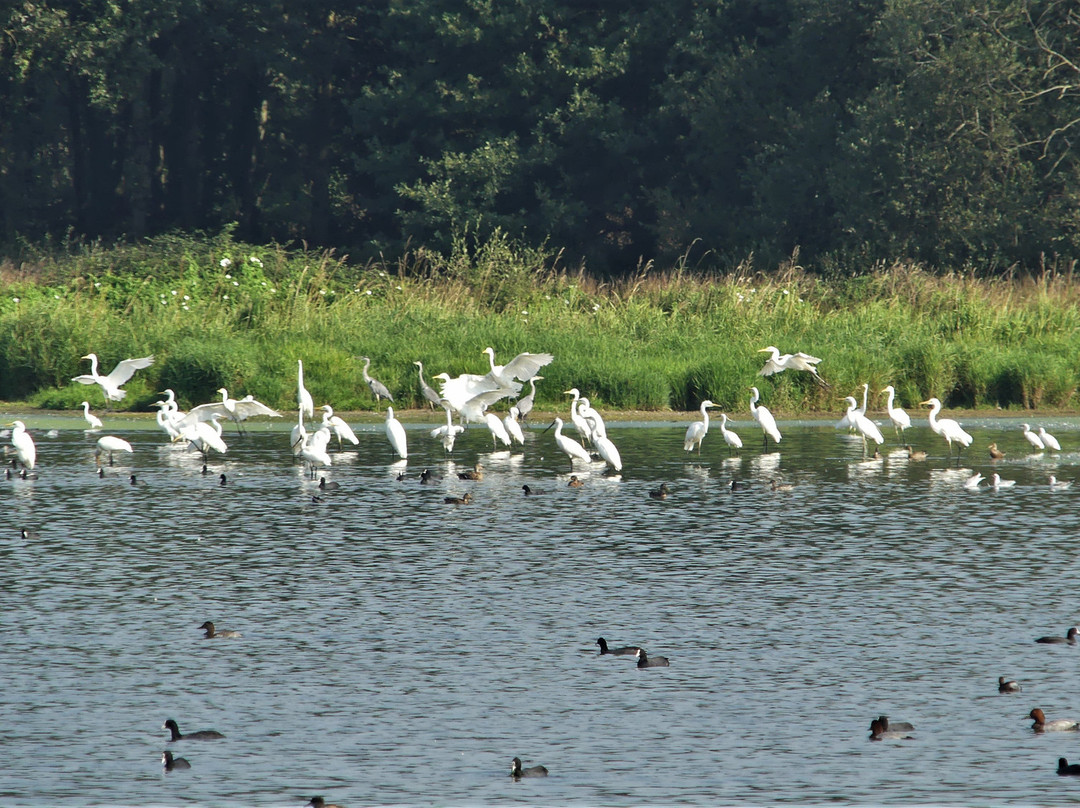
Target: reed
218,313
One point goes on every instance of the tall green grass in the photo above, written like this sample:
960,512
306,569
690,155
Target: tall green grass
216,313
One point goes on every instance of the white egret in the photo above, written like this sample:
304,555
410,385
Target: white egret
298,435
338,426
474,409
429,393
93,420
997,482
606,449
303,398
110,385
447,434
313,451
461,392
395,433
378,389
497,429
947,428
568,446
778,363
25,450
523,366
110,444
900,419
764,418
696,432
597,427
1049,441
525,403
230,408
1032,438
513,428
972,482
164,421
863,425
205,435
730,438
579,422
845,421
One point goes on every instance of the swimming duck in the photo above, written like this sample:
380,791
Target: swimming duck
915,454
211,634
171,763
995,452
574,482
1065,768
427,477
643,660
464,500
533,771
201,735
1007,686
1058,725
531,492
781,486
624,650
1068,639
894,726
319,802
328,486
878,732
476,473
661,492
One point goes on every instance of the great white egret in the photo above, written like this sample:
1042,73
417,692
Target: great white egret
730,438
513,428
597,427
25,450
997,482
303,398
778,363
378,389
523,367
298,434
231,408
395,433
568,446
576,418
110,444
900,419
607,450
313,451
429,393
1049,441
497,429
947,428
863,425
110,385
525,403
447,434
845,421
205,435
764,418
459,391
696,432
93,420
338,426
1032,438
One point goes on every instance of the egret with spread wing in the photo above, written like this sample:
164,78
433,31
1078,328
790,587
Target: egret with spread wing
110,385
778,363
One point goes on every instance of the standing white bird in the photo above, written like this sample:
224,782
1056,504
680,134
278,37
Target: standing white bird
778,363
730,438
203,436
597,427
110,444
93,420
338,426
525,403
395,433
847,422
900,419
606,449
1032,438
298,435
428,392
303,398
25,450
863,425
576,418
497,429
696,432
523,366
947,428
110,385
513,428
764,418
165,420
1049,440
568,446
378,389
313,452
447,434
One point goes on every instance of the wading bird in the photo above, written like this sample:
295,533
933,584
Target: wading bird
110,444
303,398
863,425
1032,438
395,433
378,389
25,450
91,419
900,419
338,426
696,432
764,418
110,385
778,363
426,390
730,438
568,446
947,428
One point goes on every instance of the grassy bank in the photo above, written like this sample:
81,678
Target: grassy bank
219,313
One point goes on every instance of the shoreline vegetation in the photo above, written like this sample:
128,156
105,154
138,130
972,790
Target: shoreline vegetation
216,312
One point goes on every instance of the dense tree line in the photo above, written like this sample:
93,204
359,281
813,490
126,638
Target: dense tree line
855,130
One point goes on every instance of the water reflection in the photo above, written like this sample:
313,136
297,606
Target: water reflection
399,650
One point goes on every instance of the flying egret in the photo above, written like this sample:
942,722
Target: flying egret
525,403
947,428
93,420
303,398
25,450
997,482
778,363
863,425
338,426
1032,438
461,389
231,408
696,432
764,418
576,418
447,434
1049,440
110,444
395,433
900,419
568,446
730,438
523,366
110,385
429,393
497,428
513,428
378,389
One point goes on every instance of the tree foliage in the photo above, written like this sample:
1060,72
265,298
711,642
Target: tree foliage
852,130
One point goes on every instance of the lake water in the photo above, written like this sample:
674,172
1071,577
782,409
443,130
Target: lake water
400,651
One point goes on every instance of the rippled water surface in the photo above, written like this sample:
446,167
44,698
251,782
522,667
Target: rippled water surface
398,650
